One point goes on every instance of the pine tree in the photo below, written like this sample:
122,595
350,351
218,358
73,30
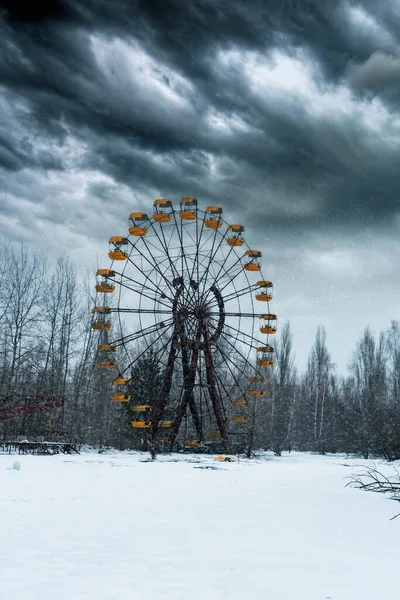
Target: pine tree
144,389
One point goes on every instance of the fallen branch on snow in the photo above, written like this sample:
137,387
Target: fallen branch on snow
372,480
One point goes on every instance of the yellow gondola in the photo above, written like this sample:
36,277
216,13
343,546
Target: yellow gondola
193,443
106,348
240,418
266,356
253,260
105,288
162,210
240,403
224,458
106,273
165,424
188,209
234,235
120,381
107,364
141,424
101,309
256,393
215,436
265,293
255,379
120,398
142,408
116,242
213,217
270,324
101,325
139,224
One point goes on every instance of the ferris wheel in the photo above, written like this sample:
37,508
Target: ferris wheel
186,286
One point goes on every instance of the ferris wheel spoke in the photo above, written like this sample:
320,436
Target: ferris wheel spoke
145,311
237,314
140,285
229,274
220,384
180,237
195,266
227,360
232,279
251,337
226,337
222,266
213,252
242,292
152,265
235,371
235,295
141,354
131,337
236,335
165,249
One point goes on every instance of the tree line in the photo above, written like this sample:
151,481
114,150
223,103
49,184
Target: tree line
48,349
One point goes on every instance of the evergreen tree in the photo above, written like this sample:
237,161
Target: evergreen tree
144,389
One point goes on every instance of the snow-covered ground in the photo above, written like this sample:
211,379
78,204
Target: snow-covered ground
112,527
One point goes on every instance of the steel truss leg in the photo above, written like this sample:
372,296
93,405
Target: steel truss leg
189,380
212,389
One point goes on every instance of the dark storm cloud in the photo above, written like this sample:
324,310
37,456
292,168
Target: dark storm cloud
283,155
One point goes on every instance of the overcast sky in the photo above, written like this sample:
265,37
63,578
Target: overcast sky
286,113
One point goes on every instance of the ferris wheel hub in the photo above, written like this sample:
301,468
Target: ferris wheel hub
200,312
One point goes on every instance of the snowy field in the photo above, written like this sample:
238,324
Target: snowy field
112,527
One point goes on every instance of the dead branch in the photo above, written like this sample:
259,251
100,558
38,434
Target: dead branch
372,480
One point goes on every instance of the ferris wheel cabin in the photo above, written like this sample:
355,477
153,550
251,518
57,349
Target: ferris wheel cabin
141,424
139,224
252,260
116,243
240,403
106,364
240,418
269,324
265,293
101,309
255,379
163,210
213,217
121,397
100,325
105,288
234,235
106,348
266,356
142,408
120,381
188,209
105,273
256,393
